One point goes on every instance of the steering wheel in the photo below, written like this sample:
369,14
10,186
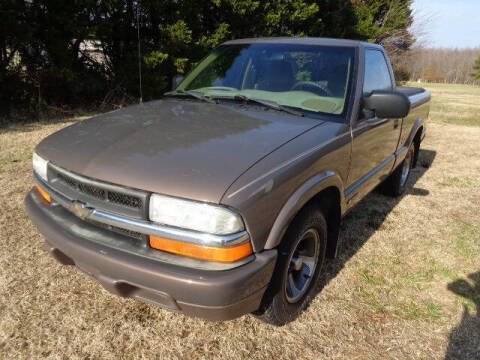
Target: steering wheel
313,87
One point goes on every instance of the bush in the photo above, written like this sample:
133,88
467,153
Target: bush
401,75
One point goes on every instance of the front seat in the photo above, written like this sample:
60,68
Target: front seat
278,76
337,80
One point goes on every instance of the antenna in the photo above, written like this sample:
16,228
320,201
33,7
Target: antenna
139,53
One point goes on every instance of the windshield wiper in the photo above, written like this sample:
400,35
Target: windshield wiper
222,88
193,94
267,103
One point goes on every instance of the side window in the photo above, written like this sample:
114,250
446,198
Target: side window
377,76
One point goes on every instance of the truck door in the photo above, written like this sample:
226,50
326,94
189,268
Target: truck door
375,140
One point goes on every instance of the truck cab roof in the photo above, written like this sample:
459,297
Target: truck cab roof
303,41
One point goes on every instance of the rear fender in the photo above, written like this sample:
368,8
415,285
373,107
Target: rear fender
413,132
402,151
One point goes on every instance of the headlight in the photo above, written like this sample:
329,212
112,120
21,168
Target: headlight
193,215
40,166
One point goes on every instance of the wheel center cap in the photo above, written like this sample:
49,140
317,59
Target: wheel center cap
297,263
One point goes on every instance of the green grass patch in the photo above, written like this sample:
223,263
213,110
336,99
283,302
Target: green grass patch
454,103
433,267
433,310
450,88
372,279
385,285
467,242
452,118
408,309
373,301
420,277
415,310
448,273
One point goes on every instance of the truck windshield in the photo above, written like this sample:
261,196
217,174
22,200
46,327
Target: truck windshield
308,77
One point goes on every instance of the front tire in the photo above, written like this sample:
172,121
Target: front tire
300,261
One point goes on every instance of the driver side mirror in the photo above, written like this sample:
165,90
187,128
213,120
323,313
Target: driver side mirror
176,80
387,104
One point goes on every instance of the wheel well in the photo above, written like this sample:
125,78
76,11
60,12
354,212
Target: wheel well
416,142
328,201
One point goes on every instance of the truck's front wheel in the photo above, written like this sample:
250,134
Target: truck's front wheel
301,258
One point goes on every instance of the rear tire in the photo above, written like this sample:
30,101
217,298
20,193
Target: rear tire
396,183
301,256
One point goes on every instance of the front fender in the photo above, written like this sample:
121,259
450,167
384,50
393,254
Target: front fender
298,199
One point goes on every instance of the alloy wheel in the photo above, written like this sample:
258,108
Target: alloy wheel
302,265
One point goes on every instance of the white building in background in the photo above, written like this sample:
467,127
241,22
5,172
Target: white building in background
93,50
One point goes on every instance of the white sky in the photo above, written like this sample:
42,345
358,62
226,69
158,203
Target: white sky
453,24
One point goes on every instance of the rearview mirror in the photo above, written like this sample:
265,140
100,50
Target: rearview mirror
387,104
176,80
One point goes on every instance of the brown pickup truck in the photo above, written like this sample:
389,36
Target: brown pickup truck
225,197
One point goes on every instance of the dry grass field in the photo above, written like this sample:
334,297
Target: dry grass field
406,286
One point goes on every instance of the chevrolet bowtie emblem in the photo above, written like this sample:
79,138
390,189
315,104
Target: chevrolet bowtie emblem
80,209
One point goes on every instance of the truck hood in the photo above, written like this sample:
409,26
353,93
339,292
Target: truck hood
175,147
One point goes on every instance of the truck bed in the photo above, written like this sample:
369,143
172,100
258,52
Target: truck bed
410,91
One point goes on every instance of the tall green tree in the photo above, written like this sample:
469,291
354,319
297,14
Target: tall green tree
47,35
385,22
476,69
176,34
12,35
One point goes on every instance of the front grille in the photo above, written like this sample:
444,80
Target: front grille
68,181
99,195
132,234
126,200
92,190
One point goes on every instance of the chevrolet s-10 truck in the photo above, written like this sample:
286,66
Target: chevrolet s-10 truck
225,197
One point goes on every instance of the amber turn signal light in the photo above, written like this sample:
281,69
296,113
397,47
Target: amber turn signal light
44,194
208,253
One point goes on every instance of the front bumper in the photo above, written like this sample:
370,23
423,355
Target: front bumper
210,294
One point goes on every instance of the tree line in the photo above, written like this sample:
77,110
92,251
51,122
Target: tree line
71,53
456,66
